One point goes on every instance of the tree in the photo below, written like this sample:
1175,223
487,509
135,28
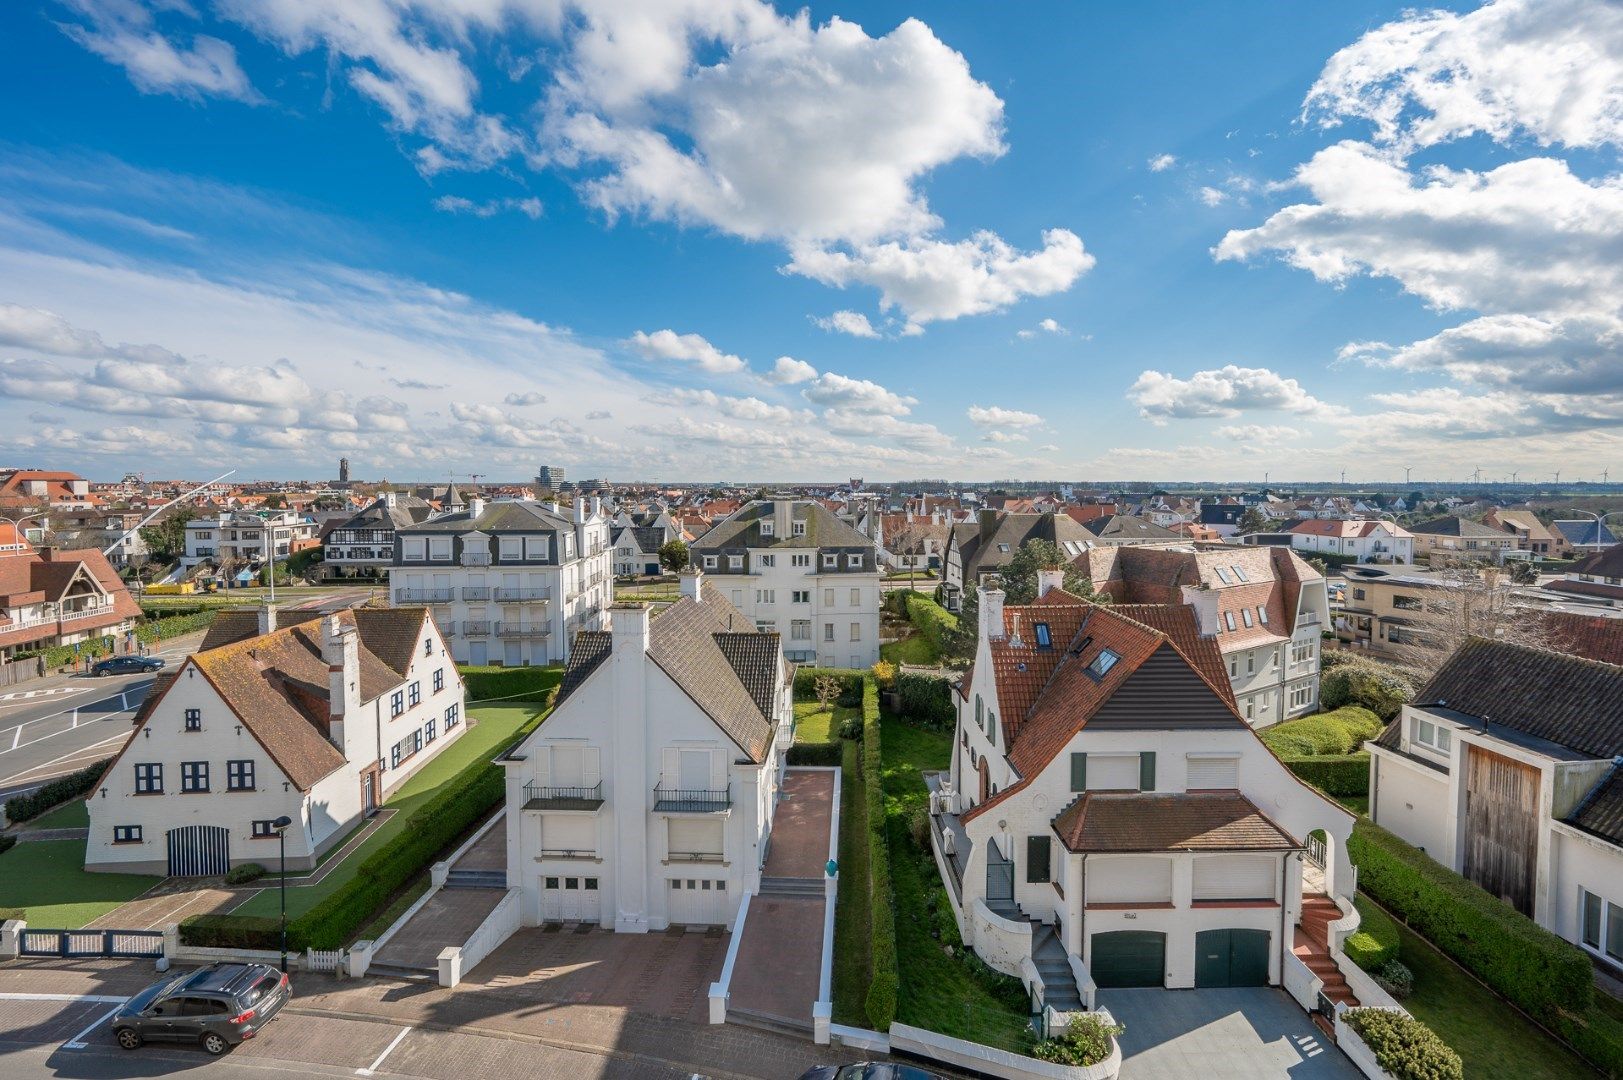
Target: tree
909,539
166,538
1468,602
1253,520
827,688
275,501
1020,573
673,556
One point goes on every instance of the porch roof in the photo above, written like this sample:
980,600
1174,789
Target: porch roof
1127,822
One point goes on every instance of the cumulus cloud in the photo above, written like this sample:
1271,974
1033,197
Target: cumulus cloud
456,204
1222,392
1258,433
125,34
788,370
1004,437
854,323
1045,326
855,395
1210,196
688,348
997,416
1162,162
530,397
742,408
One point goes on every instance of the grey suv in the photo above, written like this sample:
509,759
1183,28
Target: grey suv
216,1007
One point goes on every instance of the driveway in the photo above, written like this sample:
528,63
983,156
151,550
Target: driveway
1243,1034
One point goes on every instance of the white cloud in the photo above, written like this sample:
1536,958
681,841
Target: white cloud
456,204
1551,70
854,323
1211,196
1162,162
1048,448
997,416
691,348
1045,326
1258,433
741,408
1004,437
855,395
525,399
1223,392
600,414
788,370
933,280
123,33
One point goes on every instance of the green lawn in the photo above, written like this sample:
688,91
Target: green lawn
853,913
814,724
914,649
1492,1038
1358,804
49,880
954,995
72,814
498,724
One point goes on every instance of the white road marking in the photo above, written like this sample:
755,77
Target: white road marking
93,999
387,1050
54,734
78,1041
65,757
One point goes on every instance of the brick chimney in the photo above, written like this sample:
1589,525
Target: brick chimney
340,649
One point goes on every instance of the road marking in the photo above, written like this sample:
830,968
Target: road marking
93,999
77,1042
65,757
387,1050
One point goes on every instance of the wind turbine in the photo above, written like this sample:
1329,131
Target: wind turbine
1407,469
1513,476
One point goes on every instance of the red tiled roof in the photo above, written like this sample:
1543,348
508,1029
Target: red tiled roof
1593,637
1106,821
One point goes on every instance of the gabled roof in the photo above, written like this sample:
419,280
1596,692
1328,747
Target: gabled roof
1593,637
1456,526
239,624
407,510
1124,822
1122,525
1607,562
1586,532
742,529
519,517
1346,529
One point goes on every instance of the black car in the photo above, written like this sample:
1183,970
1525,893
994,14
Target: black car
868,1070
216,1007
126,665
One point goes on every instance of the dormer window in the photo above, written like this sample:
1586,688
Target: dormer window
1102,663
798,528
768,528
709,562
735,562
1045,638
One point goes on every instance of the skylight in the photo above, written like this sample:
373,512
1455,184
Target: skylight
1240,574
1223,575
1262,614
1228,617
1045,639
1245,616
1103,663
1003,548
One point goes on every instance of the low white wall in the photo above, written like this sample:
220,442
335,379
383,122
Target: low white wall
723,986
1364,987
998,941
945,873
499,925
1301,983
860,1038
994,1062
1357,1052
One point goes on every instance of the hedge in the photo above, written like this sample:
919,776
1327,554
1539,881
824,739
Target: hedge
1526,964
935,622
512,683
58,791
9,913
1339,732
1334,774
1597,1035
852,681
1380,688
1404,1047
927,699
172,626
882,987
821,754
1376,940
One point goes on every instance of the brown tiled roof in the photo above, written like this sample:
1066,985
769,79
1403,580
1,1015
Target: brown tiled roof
1607,562
683,641
239,624
1104,821
1593,637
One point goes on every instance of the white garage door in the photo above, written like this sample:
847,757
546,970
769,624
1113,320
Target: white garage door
569,899
698,901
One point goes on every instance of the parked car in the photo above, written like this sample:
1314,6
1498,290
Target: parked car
216,1007
126,665
869,1070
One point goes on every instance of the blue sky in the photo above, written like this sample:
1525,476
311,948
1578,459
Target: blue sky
1134,241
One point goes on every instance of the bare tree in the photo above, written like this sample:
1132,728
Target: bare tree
827,688
1466,602
910,539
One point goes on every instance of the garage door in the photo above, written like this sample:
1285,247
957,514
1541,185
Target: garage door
1231,958
199,850
569,899
698,901
1129,958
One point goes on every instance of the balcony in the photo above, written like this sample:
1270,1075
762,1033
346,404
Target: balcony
476,558
508,630
544,797
476,628
424,596
476,592
697,856
522,596
99,611
669,800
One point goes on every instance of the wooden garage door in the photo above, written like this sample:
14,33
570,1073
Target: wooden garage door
1129,958
1501,826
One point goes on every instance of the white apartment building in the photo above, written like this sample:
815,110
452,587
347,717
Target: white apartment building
1376,541
317,721
646,799
794,568
510,583
243,536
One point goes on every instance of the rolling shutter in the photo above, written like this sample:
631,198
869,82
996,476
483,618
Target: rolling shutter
1135,879
1113,772
1213,773
694,836
1235,877
568,832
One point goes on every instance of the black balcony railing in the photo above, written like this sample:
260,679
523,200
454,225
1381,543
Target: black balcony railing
692,800
554,797
476,628
696,856
509,630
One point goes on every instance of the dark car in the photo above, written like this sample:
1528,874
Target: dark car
216,1007
126,665
868,1070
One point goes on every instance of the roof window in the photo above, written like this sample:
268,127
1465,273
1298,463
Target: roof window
1102,663
1223,575
1003,548
1239,573
1245,616
1228,618
1262,615
1045,638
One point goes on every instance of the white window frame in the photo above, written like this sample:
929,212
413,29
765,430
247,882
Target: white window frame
1440,739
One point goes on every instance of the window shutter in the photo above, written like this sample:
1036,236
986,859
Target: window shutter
991,728
1146,771
1037,850
1079,772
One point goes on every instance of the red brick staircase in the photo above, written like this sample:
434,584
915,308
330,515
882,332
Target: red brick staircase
1312,947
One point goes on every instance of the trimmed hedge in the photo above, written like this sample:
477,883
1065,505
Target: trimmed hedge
1333,774
927,699
935,622
821,754
513,683
1376,940
234,932
58,791
172,626
1526,964
882,987
851,680
1597,1035
1403,1046
1339,732
9,913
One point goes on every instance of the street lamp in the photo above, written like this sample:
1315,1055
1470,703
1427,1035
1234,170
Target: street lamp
1600,519
280,825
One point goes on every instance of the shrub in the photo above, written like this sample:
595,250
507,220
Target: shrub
851,727
935,622
1339,732
1375,943
1086,1040
1526,964
241,875
6,843
918,826
927,699
1403,1046
58,791
826,754
1333,774
881,1002
513,683
9,913
1396,979
1380,688
851,680
884,673
1597,1035
234,932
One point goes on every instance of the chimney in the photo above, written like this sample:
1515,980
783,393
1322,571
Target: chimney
555,508
388,499
597,506
476,506
1204,601
580,509
341,650
991,613
1048,580
691,579
783,513
987,522
267,620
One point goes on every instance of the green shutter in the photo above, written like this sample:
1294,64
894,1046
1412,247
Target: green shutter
1079,772
991,727
1146,771
1037,850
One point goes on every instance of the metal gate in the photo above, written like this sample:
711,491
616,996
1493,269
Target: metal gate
199,851
120,943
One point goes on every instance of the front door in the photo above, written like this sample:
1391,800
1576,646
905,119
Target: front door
1231,958
369,795
999,877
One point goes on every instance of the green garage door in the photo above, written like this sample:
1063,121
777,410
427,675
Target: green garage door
1231,958
1129,958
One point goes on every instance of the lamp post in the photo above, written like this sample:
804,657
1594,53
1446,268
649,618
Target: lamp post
280,825
1600,520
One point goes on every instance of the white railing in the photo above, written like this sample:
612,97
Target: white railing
1315,850
86,613
722,987
499,925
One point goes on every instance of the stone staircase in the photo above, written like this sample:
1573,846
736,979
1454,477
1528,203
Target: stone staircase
1048,954
476,879
1312,947
792,886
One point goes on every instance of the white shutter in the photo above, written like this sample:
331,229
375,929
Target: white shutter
568,832
1235,877
693,835
568,766
1112,772
667,767
1213,773
1145,879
